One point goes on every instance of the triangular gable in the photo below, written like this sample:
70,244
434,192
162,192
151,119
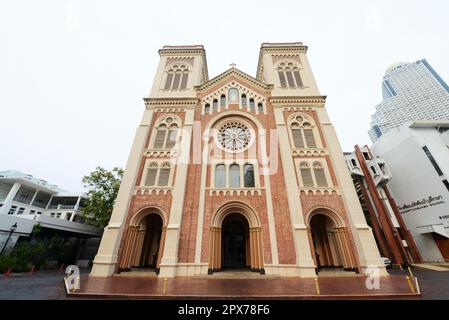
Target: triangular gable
234,72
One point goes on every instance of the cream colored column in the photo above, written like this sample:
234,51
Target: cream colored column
366,246
199,230
304,261
106,259
170,255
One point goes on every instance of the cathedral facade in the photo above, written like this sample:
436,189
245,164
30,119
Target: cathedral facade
236,172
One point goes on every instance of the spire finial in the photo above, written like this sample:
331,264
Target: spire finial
232,65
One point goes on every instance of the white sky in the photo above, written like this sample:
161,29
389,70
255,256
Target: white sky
73,73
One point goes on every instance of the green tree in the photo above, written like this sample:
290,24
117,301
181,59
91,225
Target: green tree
103,187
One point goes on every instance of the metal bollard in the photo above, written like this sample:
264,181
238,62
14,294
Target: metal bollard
411,273
317,286
412,289
164,289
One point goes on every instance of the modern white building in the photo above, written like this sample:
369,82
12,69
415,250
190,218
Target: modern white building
26,201
411,91
417,154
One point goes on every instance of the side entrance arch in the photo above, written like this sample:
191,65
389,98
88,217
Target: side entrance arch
144,242
329,241
235,239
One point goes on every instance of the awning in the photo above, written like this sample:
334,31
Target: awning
437,228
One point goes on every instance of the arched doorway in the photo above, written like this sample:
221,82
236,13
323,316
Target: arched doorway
329,244
144,243
235,239
235,242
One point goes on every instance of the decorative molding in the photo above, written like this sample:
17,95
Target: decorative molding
320,191
153,190
180,51
304,152
278,57
235,192
161,153
281,49
292,102
170,104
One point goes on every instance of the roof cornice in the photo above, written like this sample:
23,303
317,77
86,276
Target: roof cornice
287,101
171,102
238,74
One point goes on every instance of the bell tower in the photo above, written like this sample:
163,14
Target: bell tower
285,65
180,69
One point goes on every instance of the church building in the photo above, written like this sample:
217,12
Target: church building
236,172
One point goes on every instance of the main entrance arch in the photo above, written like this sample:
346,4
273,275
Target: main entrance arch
235,239
144,241
329,241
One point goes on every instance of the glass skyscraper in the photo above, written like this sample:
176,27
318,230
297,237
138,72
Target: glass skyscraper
411,91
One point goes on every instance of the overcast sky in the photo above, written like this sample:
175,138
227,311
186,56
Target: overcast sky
73,73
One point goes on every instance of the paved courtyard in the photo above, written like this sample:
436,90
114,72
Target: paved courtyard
49,285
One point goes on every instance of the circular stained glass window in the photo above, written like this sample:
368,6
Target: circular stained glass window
234,136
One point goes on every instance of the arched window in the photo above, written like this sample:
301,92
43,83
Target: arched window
302,133
354,164
164,174
233,95
177,77
320,176
234,176
289,75
252,106
220,176
215,105
248,176
151,174
260,107
306,174
166,134
222,100
244,100
207,108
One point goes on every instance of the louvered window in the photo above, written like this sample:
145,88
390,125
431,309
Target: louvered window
297,138
176,81
320,177
291,82
185,77
298,79
252,106
310,139
164,175
243,100
160,138
207,108
222,100
171,141
215,105
151,176
168,81
260,107
306,176
282,79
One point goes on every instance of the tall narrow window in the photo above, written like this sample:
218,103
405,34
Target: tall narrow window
282,79
306,175
252,106
207,108
297,137
234,176
260,107
310,139
164,175
185,78
171,139
215,105
298,78
248,176
222,100
291,82
220,176
160,137
244,100
151,175
168,81
320,176
432,160
176,81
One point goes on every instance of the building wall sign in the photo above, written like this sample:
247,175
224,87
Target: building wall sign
422,204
